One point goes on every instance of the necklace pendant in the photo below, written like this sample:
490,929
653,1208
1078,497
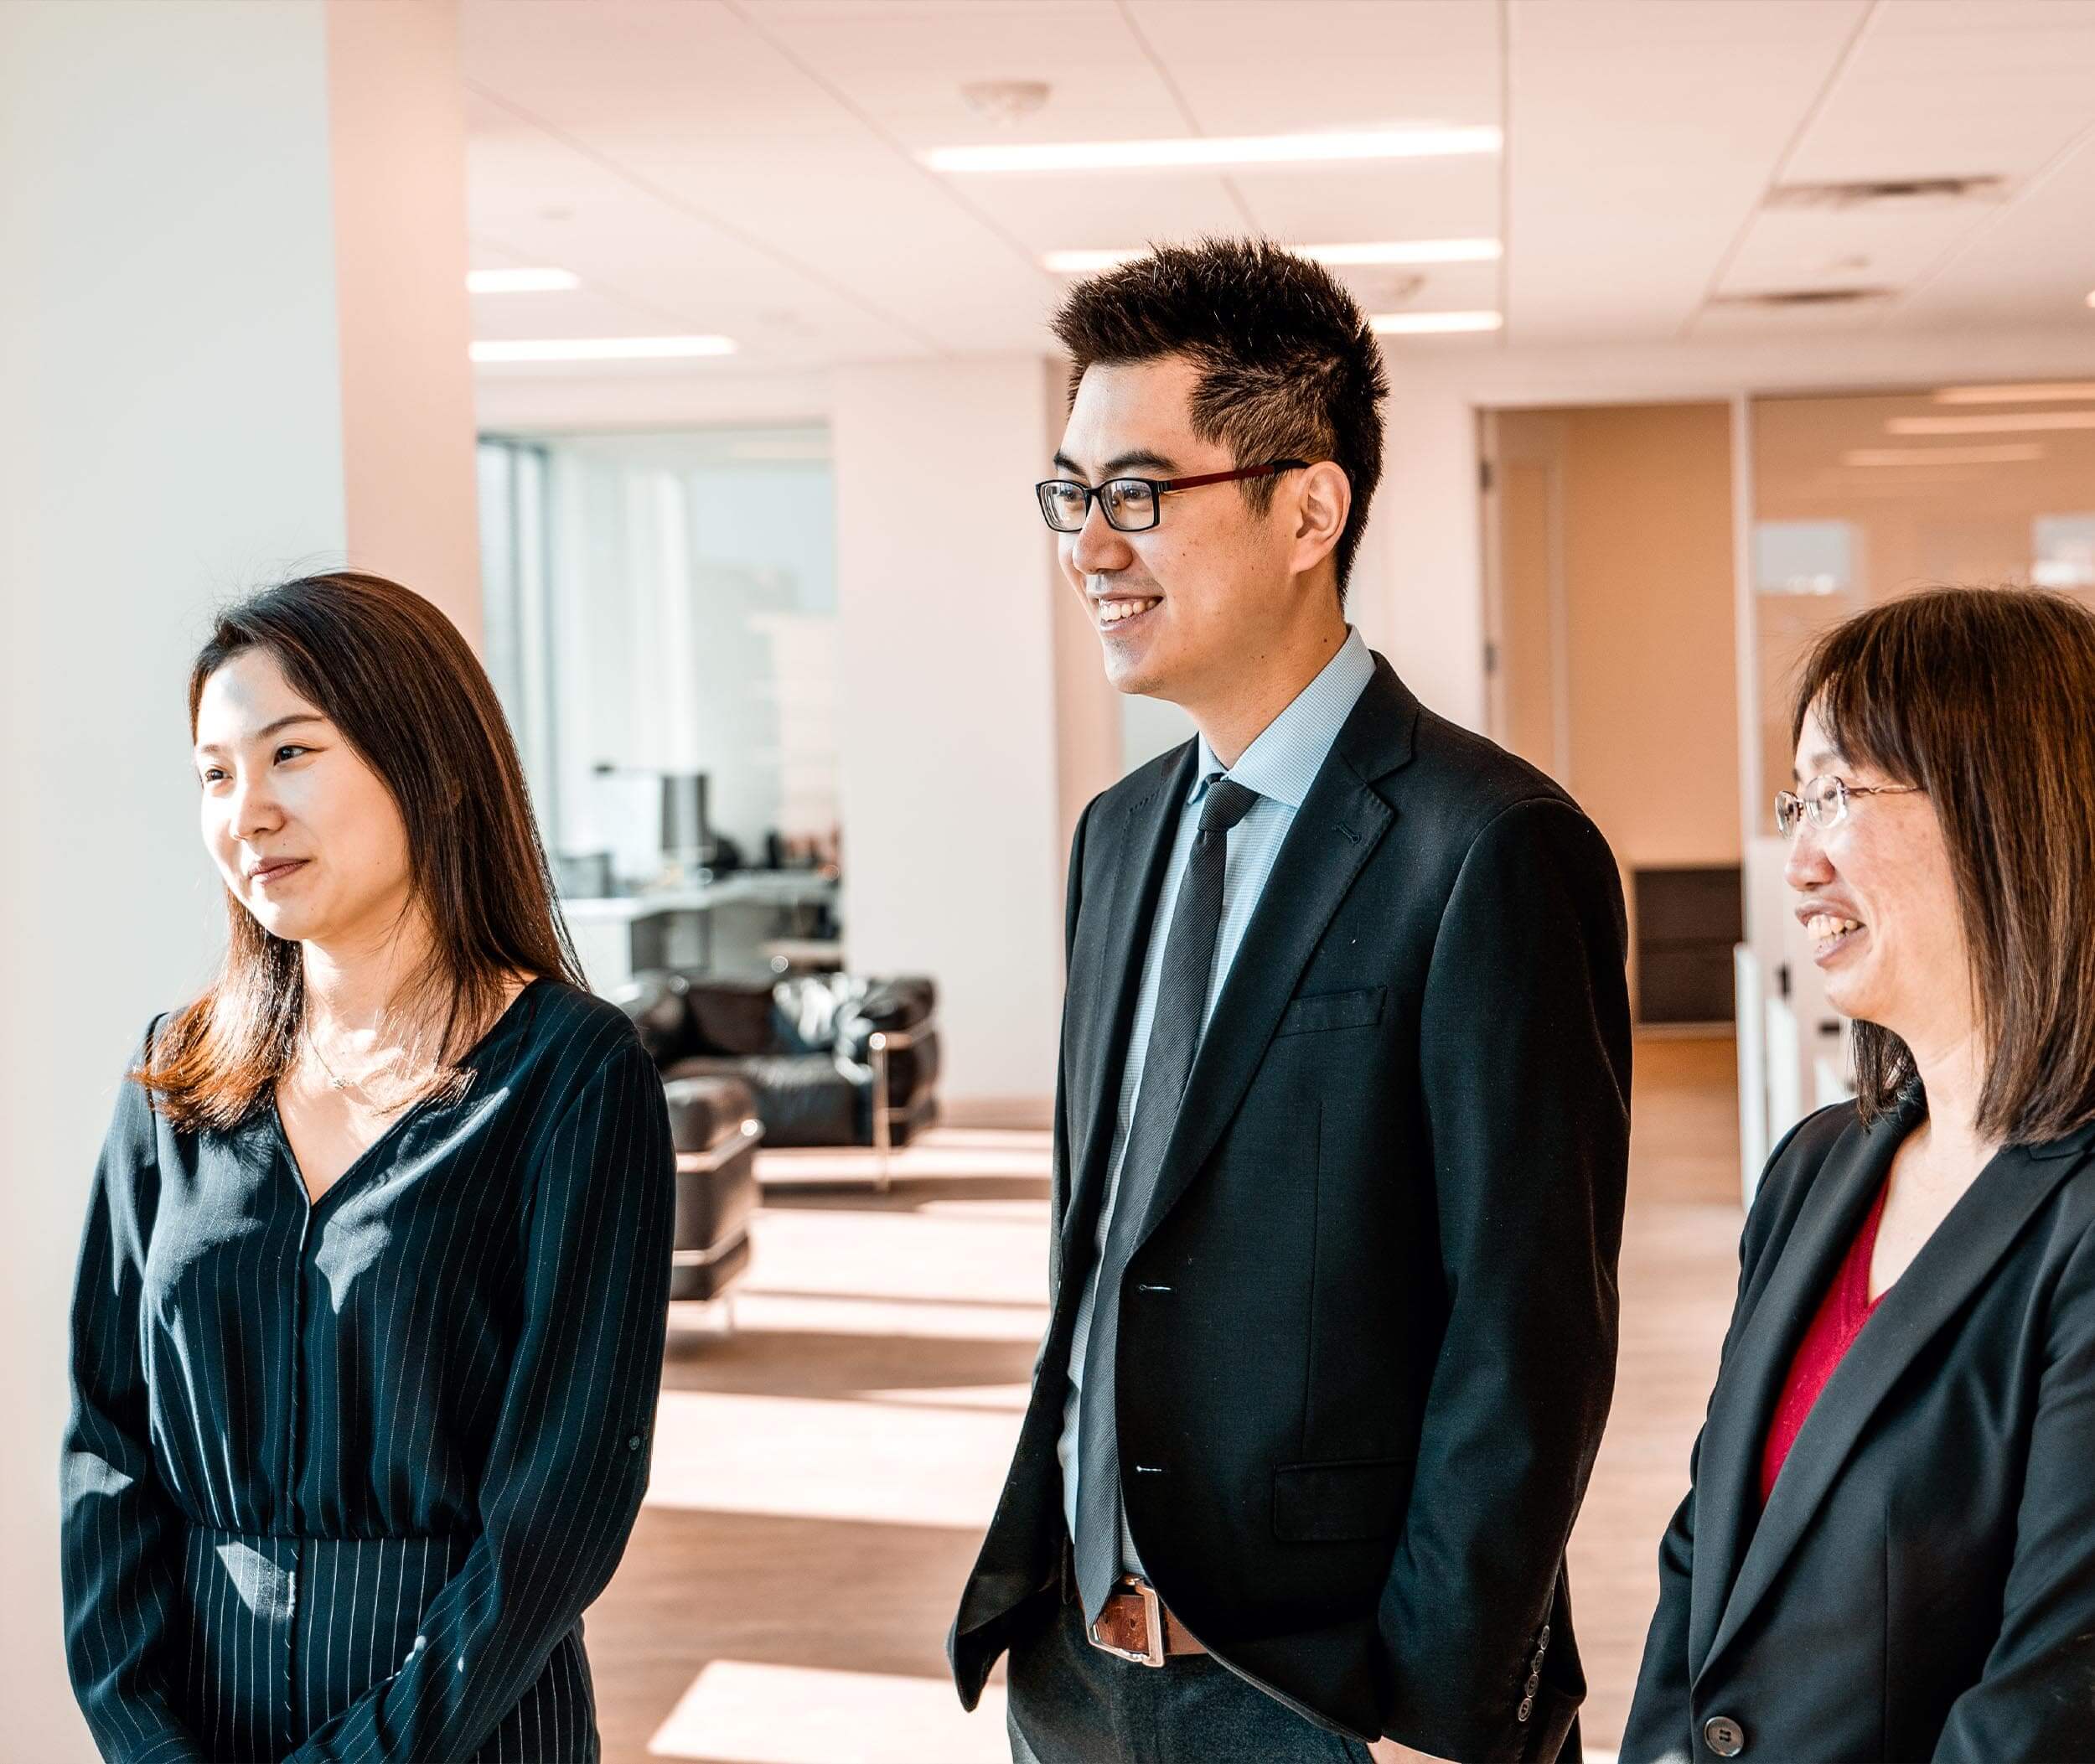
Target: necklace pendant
338,1083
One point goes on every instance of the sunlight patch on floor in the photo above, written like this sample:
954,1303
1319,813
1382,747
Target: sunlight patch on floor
843,1313
898,1255
801,1457
759,1713
1003,1398
1026,1155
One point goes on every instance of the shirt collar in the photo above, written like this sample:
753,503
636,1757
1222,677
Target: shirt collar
1285,760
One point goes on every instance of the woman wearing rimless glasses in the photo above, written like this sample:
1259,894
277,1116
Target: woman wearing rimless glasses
1887,1550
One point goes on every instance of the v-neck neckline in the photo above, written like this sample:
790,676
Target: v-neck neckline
414,1111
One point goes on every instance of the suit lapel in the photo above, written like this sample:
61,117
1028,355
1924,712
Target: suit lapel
1110,959
1951,1267
1728,1497
1336,831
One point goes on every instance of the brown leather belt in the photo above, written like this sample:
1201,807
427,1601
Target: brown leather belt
1134,1626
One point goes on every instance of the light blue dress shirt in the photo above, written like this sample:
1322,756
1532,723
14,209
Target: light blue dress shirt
1280,766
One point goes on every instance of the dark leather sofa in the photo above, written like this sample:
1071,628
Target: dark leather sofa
714,1127
829,1059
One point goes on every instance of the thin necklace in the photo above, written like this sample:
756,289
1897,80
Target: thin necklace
335,1079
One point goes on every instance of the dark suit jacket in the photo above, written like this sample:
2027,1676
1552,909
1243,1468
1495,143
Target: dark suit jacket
1368,1341
1922,1584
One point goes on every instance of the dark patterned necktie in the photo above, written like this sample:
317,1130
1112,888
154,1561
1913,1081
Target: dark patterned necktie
1187,966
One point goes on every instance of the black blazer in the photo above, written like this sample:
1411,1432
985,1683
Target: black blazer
1922,1584
1368,1341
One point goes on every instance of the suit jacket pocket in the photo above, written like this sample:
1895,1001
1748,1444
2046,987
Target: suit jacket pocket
1332,1010
1334,1502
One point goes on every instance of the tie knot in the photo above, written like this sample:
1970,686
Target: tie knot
1226,803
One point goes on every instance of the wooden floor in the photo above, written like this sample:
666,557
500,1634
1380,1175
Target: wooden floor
823,1474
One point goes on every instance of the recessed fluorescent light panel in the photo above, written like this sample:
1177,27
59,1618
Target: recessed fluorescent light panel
1420,324
602,349
1206,152
1339,256
2042,391
521,281
2008,455
2029,422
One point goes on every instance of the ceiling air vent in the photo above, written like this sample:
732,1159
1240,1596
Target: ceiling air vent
1792,299
1883,192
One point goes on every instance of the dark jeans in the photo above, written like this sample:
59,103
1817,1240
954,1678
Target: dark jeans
1071,1704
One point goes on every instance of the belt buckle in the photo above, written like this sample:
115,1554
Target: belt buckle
1152,1624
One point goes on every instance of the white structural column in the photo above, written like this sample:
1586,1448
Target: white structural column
396,119
1420,592
947,706
171,373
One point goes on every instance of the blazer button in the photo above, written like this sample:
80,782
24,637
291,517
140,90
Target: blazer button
1723,1736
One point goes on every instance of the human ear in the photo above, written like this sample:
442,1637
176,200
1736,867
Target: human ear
1324,496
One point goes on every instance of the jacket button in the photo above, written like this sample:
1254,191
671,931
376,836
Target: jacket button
1723,1736
1527,1708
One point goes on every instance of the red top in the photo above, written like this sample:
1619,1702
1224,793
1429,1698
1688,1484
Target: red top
1842,1313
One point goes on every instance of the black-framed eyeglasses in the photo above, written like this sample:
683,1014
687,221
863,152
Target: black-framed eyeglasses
1135,505
1823,802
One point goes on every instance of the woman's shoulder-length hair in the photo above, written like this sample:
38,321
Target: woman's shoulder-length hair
392,674
1985,698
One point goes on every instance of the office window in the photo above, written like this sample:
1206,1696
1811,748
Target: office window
666,603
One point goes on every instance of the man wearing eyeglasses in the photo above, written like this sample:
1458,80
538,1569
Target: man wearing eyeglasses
1341,1118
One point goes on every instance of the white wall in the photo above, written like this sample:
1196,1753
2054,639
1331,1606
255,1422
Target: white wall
947,706
172,433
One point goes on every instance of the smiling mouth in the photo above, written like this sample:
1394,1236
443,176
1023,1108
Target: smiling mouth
277,871
1830,933
1115,615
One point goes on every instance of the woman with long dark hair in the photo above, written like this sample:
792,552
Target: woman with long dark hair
369,1323
1887,1550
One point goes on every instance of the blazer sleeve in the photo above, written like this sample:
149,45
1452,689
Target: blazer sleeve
116,1520
1525,1063
1661,1718
2036,1697
568,1464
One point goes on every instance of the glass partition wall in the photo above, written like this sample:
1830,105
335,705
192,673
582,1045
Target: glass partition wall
1859,499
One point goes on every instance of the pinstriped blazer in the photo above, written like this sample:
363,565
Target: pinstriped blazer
340,1478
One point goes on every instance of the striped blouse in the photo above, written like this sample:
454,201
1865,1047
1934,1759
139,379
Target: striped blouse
340,1476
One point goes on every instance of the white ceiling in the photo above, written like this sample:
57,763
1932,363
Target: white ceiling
749,167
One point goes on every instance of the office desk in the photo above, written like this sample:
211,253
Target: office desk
601,926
